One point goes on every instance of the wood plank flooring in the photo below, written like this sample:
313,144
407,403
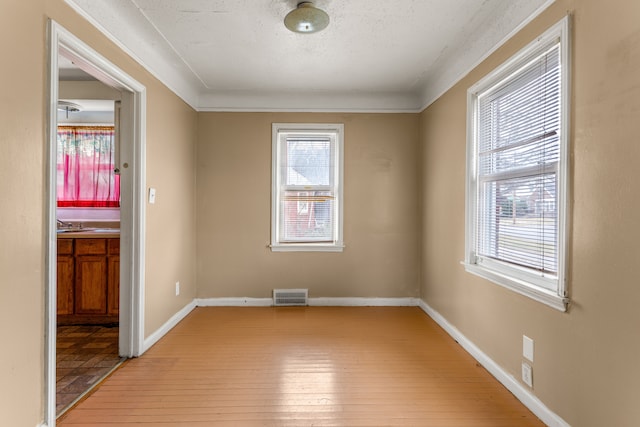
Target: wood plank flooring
303,366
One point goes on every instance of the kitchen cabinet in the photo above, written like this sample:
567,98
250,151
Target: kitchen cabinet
113,277
65,276
88,280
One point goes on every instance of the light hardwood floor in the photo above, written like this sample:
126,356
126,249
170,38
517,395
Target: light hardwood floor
311,366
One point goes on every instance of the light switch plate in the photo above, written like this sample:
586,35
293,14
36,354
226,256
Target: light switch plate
152,195
527,348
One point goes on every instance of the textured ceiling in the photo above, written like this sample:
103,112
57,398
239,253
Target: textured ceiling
376,55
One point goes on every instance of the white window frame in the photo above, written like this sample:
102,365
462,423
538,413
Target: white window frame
550,291
336,131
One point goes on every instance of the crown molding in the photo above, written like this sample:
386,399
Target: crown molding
153,52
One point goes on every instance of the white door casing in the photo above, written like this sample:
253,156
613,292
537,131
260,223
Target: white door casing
132,181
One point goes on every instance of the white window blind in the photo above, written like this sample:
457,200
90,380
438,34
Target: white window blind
307,187
517,171
518,148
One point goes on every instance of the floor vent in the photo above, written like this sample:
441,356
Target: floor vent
290,297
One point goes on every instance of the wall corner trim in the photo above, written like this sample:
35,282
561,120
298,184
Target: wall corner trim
524,395
169,324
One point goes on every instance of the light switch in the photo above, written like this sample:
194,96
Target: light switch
527,348
152,195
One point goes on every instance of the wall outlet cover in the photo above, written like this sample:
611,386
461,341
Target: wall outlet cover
527,374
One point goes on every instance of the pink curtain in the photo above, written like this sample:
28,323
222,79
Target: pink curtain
85,167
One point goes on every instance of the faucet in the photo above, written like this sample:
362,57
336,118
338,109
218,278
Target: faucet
62,224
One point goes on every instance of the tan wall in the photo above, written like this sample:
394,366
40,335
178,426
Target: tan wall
585,360
21,226
380,212
172,126
171,221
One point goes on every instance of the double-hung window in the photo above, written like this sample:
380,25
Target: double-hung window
307,191
517,160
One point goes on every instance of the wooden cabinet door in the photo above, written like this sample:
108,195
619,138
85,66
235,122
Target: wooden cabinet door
65,284
113,285
91,284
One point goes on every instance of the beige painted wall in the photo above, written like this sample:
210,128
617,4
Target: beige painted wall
380,212
171,131
171,170
585,360
21,225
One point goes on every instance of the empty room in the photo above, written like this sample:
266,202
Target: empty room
362,213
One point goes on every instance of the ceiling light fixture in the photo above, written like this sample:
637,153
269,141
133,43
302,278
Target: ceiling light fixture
306,18
68,107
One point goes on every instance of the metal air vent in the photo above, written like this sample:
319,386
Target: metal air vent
290,297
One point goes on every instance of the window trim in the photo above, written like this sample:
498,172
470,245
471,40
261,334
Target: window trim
519,279
337,245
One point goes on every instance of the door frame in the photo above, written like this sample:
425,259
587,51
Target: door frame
132,206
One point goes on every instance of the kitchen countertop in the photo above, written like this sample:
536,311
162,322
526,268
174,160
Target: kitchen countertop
90,233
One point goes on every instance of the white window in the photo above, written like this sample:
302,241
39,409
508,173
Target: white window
306,194
517,160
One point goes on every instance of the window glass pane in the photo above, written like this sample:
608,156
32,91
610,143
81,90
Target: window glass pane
308,161
517,222
307,216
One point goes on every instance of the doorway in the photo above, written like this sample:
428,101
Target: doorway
88,234
130,162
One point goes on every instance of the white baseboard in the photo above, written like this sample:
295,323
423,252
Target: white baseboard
523,394
233,302
316,302
363,302
173,321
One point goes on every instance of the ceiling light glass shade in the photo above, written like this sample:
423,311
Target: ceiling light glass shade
306,19
69,107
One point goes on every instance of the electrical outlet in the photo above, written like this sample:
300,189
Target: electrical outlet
527,374
177,288
527,348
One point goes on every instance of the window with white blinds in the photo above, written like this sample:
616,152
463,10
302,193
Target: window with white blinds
307,187
517,161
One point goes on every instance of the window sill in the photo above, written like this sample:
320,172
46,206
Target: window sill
306,247
534,292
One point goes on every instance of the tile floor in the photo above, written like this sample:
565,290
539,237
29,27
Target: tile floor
84,354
